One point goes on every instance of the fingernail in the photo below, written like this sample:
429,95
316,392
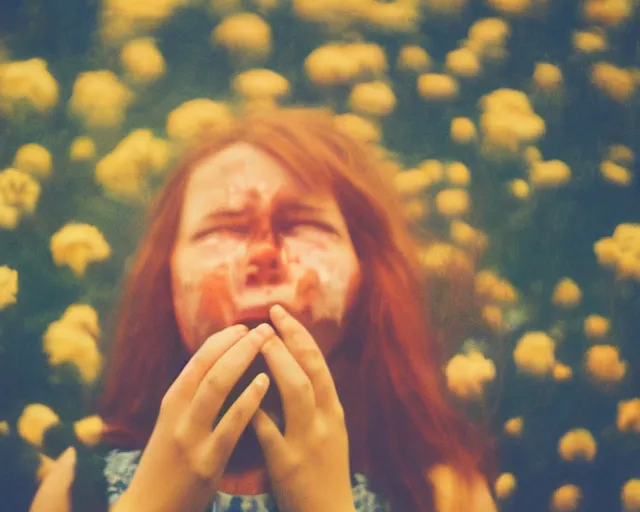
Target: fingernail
68,454
241,329
264,330
278,311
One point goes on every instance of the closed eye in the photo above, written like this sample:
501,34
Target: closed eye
311,223
234,229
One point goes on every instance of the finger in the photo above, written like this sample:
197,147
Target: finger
295,388
271,441
220,443
308,355
223,375
211,350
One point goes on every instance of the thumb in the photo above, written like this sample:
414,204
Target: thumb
268,434
68,457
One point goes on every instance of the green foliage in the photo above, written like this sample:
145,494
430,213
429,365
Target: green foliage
533,243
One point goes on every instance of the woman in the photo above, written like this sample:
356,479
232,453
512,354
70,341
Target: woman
281,210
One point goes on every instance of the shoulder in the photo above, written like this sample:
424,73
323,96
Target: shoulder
365,500
120,466
54,494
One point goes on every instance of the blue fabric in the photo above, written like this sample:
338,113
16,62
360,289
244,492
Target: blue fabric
120,466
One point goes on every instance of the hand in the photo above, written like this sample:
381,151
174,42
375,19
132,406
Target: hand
181,466
308,465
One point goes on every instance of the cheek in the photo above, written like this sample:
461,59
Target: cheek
336,272
201,298
337,267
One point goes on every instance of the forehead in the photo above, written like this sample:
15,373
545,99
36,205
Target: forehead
243,174
239,166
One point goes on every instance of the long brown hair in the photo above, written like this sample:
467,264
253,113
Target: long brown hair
399,420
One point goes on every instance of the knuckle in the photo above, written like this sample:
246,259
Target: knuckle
314,361
182,434
197,362
168,403
201,467
241,411
236,414
303,387
224,440
338,413
308,352
322,429
213,380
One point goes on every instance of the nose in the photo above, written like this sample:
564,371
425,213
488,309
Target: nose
265,265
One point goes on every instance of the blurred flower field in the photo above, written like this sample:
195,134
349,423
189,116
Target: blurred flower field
512,129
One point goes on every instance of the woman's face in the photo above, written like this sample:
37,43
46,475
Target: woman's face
251,237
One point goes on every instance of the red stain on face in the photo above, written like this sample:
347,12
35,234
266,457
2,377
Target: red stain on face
215,297
251,237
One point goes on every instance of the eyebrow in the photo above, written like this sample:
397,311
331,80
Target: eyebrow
288,206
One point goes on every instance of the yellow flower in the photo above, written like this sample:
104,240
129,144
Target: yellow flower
77,245
411,181
596,326
577,443
445,260
244,34
616,173
29,82
82,148
453,202
9,216
437,86
508,122
122,171
566,498
89,430
514,426
402,17
119,176
535,353
35,159
629,415
331,64
8,286
630,495
19,190
549,174
358,127
65,343
34,421
371,58
195,118
467,374
520,189
566,294
562,372
260,83
83,317
603,364
463,130
142,60
100,99
413,58
372,98
505,485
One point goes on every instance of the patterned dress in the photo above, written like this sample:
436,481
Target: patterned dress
121,465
